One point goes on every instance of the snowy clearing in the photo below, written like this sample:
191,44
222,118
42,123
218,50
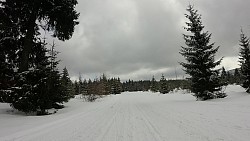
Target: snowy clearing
136,117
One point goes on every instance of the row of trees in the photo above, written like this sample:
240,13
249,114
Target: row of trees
104,86
231,77
91,90
163,86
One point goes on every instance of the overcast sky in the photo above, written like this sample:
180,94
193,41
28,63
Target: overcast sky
136,39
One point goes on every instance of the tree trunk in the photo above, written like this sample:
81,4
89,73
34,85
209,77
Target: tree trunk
28,41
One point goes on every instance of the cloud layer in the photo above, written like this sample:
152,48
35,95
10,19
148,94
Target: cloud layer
136,39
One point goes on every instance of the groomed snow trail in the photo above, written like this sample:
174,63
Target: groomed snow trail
137,117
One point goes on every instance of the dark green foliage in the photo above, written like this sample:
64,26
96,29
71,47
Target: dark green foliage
233,76
66,84
146,85
58,16
98,88
40,88
84,87
31,92
224,77
199,54
245,61
141,85
178,84
29,78
238,78
153,85
103,86
10,43
80,85
91,90
76,88
164,88
115,86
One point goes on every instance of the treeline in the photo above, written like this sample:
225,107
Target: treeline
91,90
162,86
234,76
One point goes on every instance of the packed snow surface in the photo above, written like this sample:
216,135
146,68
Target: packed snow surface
136,116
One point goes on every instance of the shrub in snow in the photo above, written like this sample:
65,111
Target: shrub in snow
90,97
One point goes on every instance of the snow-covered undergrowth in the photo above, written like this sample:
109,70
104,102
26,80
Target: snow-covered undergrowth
136,117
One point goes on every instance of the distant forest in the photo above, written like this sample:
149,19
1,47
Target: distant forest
106,86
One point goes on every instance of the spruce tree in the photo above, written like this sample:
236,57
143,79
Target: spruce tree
58,16
199,54
237,77
163,85
84,87
66,84
117,86
40,88
103,85
224,78
10,42
80,83
55,86
31,92
153,86
76,88
35,87
244,60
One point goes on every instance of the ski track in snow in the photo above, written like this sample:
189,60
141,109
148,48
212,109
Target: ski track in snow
138,117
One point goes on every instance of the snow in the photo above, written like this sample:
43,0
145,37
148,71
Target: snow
137,116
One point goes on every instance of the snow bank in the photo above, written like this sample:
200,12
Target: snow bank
137,116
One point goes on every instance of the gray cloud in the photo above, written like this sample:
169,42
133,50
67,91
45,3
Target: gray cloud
139,38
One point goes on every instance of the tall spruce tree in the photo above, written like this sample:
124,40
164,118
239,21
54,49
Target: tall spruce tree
58,16
244,60
10,42
199,54
31,92
39,88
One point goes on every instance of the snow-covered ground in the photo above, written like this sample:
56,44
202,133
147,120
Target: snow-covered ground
136,117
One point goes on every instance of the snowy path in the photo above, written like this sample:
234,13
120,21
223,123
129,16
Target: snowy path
137,117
